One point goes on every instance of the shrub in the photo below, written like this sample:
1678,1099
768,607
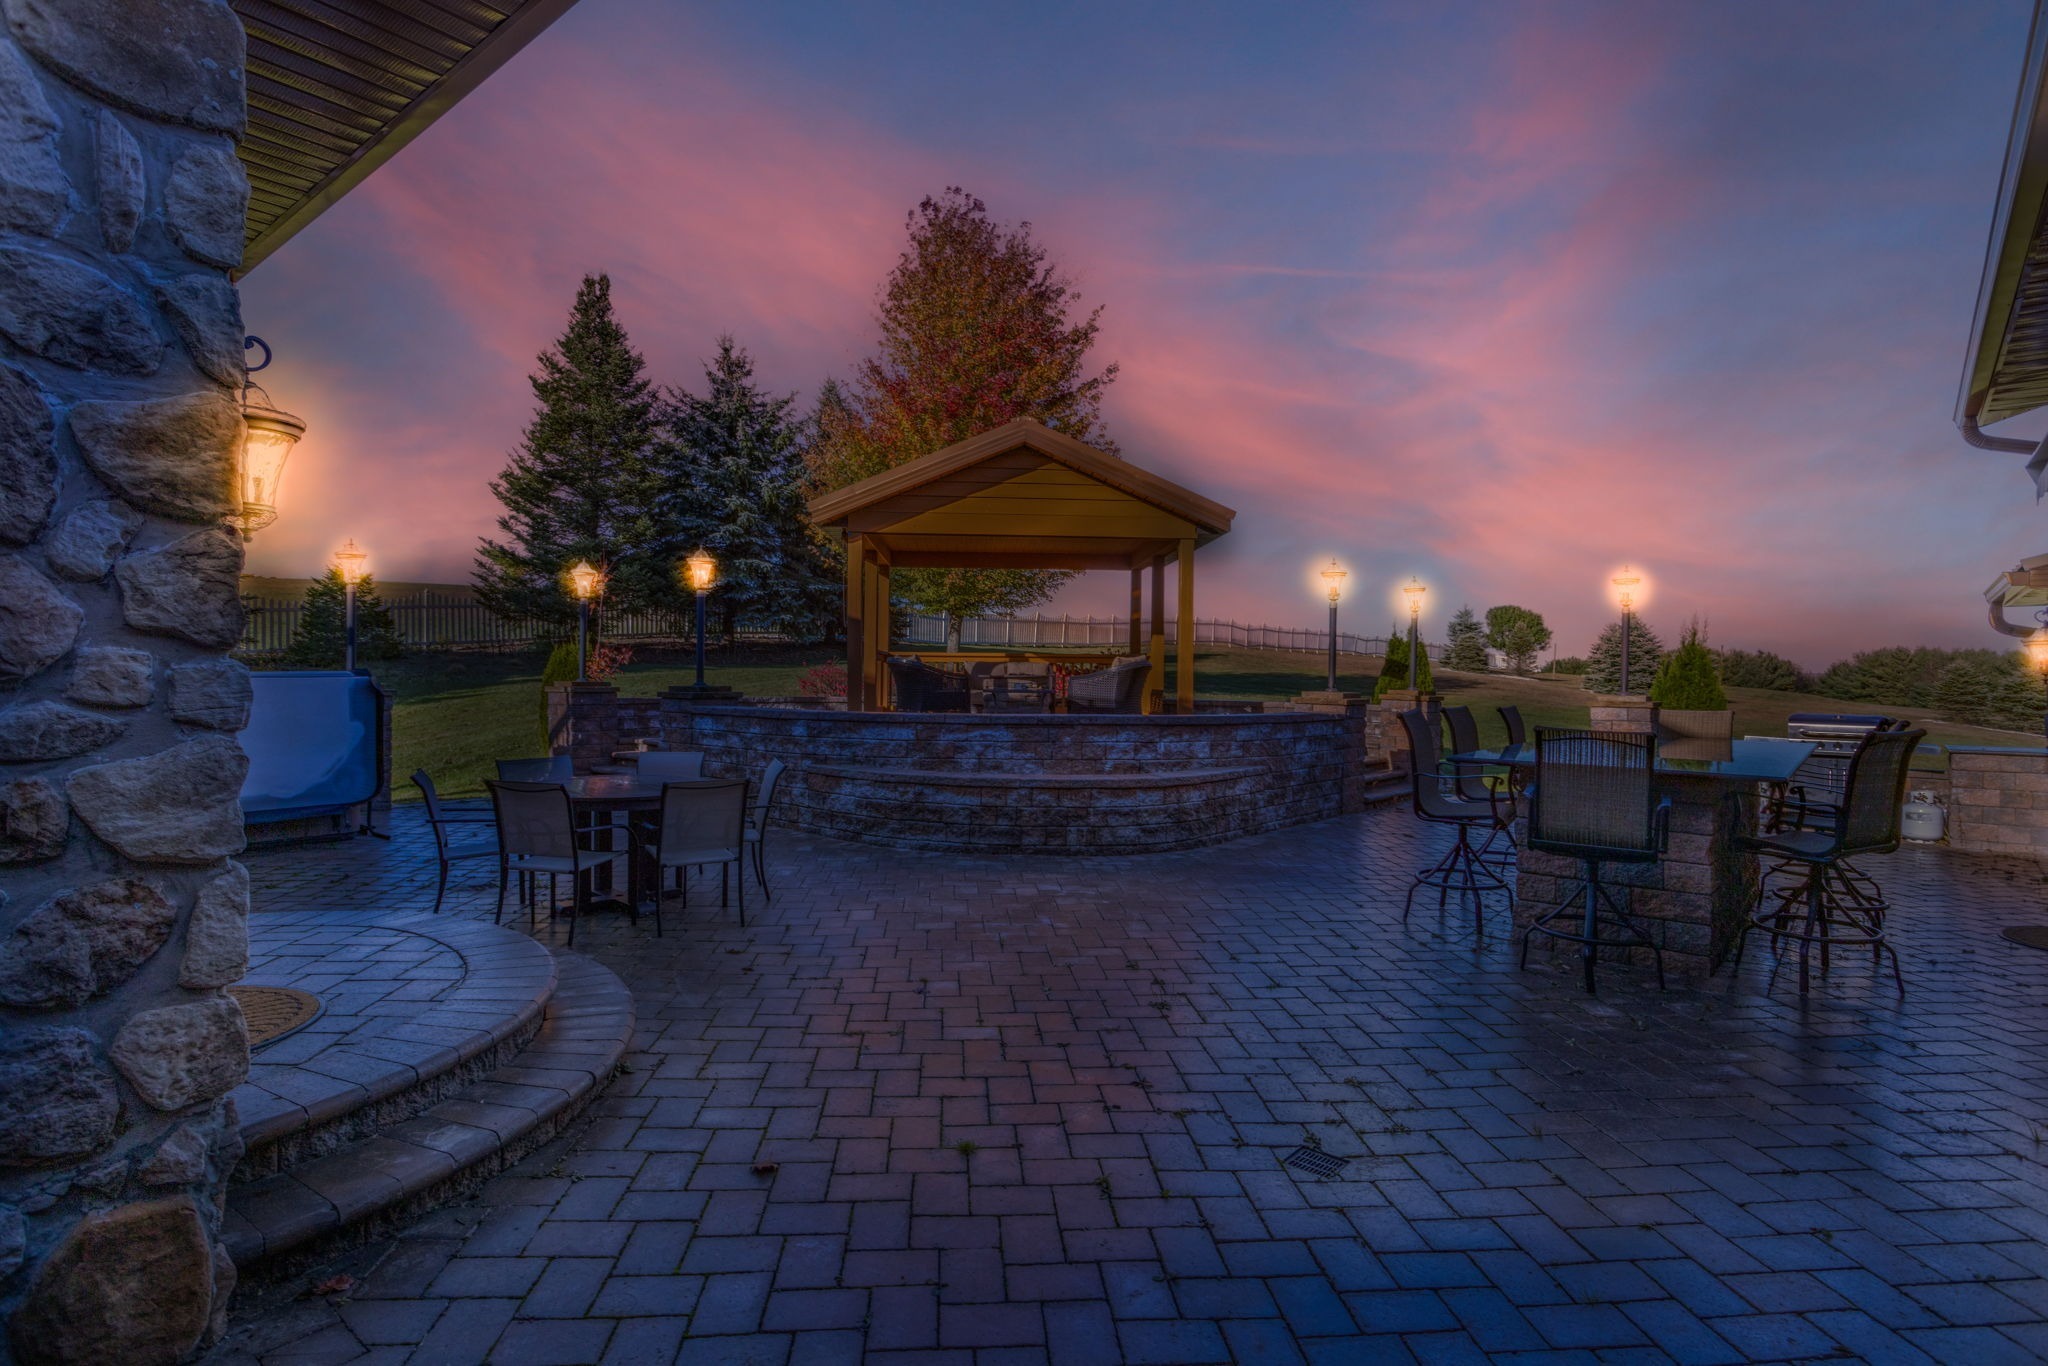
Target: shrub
1570,665
560,668
1687,681
321,639
1394,673
823,680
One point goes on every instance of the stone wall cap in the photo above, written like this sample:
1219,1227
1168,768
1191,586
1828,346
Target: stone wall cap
2034,750
1176,777
1005,719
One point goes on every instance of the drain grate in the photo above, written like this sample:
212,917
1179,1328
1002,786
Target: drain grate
1314,1161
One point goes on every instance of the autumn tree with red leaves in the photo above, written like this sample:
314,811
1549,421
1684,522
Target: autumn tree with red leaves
977,329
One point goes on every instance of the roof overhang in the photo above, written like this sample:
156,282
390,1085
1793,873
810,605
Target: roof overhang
337,87
2006,373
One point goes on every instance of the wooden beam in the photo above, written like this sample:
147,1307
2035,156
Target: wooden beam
1137,610
1184,691
858,686
1155,677
883,683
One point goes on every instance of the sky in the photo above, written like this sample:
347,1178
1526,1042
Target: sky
1502,296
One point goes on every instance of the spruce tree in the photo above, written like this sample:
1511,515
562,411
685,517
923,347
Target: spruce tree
1603,661
320,640
576,488
1687,680
978,328
732,479
1465,645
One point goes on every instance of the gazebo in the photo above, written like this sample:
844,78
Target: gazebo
1020,496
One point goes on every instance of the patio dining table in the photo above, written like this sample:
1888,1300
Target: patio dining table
1695,899
604,794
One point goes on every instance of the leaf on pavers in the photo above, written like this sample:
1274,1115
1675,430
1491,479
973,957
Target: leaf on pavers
340,1284
767,1168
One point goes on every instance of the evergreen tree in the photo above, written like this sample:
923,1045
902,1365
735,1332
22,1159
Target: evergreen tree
577,487
1762,669
1985,688
1518,633
1394,672
320,640
1465,644
731,478
1687,680
977,329
1603,661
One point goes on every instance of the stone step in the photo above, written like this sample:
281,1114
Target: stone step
415,1008
444,1153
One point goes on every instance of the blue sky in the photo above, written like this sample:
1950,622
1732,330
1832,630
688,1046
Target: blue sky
1501,295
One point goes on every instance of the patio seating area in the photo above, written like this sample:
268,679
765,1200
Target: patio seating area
1223,1105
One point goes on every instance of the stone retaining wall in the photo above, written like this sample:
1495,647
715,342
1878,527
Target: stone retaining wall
1070,784
121,212
1998,800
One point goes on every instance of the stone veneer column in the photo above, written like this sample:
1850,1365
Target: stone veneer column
1625,714
121,210
1386,739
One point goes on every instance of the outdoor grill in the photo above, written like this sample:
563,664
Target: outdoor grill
1836,733
1820,780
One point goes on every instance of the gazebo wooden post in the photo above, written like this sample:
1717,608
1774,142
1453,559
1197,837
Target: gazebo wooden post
859,688
1184,668
1155,678
880,617
1137,610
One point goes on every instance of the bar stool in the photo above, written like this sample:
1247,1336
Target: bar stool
1439,799
1596,801
1478,782
1829,903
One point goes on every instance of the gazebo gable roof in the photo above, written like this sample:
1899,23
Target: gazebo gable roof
1206,517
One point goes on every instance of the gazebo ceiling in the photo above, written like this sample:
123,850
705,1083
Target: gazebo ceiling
336,87
1021,496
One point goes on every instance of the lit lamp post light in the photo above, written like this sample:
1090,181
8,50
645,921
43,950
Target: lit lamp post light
700,571
1414,591
2037,655
585,583
349,561
269,435
1334,577
1625,586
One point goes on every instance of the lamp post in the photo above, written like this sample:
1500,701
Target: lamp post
2037,655
349,561
1414,591
701,573
1625,584
585,582
1334,577
269,435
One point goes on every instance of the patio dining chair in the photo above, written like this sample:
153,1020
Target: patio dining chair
701,822
453,837
1439,800
757,821
537,835
1827,903
671,766
1596,801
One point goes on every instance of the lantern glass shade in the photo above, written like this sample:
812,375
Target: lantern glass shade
1414,591
584,580
2037,650
1334,577
349,560
702,571
1625,584
270,434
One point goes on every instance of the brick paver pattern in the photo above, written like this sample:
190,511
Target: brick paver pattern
935,1109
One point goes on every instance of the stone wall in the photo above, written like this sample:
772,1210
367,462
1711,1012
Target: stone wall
1072,784
1998,800
121,205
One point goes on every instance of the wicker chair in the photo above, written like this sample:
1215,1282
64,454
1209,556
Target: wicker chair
1118,689
1437,800
1829,903
1021,686
1596,801
918,686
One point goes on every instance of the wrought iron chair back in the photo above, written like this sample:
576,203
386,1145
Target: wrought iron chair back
1595,795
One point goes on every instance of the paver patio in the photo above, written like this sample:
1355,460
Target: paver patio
1020,1108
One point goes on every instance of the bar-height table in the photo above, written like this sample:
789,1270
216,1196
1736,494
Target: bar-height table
1695,899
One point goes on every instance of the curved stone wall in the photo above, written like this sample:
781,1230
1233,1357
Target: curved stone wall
1052,784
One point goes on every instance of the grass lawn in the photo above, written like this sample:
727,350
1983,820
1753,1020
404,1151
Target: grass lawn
457,712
